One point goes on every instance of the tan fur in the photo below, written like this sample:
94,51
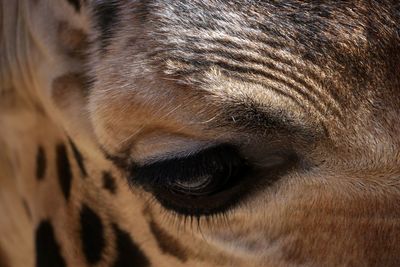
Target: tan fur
341,208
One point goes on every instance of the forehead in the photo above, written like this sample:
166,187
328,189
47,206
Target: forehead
320,56
288,19
314,29
318,32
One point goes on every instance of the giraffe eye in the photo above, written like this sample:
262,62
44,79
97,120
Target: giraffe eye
196,186
203,173
187,183
206,173
210,181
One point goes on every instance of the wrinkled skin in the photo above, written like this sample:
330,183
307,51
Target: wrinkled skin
304,94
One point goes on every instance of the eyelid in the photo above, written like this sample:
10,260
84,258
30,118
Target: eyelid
176,152
203,162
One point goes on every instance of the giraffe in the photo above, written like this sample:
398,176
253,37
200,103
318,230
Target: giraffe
199,133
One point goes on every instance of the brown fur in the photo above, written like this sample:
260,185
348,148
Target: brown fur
316,78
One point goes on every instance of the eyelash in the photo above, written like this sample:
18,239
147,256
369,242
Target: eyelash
183,221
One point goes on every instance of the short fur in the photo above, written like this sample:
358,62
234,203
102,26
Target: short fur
90,88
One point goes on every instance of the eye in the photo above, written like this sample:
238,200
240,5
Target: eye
204,183
200,174
205,173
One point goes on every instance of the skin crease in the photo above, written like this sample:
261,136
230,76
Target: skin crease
135,82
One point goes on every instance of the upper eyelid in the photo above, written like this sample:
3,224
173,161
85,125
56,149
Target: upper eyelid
191,151
165,166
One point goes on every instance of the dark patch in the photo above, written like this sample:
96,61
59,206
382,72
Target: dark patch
76,4
47,249
167,243
64,170
78,158
40,163
3,259
27,209
129,254
121,162
67,84
107,15
92,234
109,182
73,40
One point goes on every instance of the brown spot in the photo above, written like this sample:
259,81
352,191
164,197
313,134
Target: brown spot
65,84
72,40
167,243
3,259
109,182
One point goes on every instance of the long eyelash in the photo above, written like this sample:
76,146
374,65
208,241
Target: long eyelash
195,223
